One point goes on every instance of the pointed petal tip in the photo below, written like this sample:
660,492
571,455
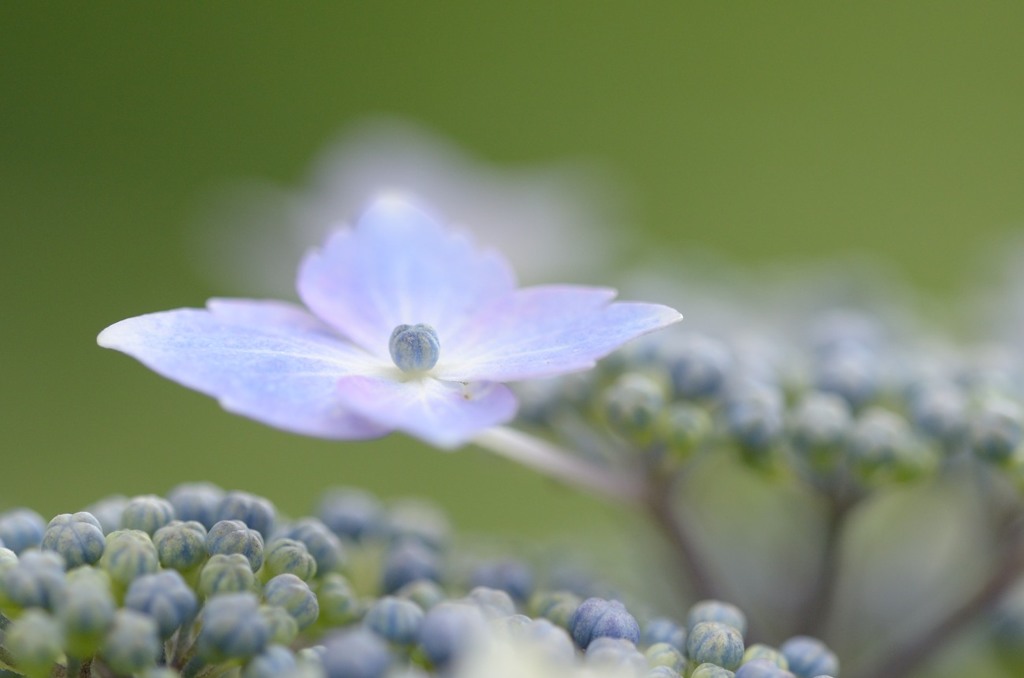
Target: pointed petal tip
113,335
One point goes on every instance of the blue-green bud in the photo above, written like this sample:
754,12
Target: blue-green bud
850,371
556,606
148,513
633,404
21,528
699,366
109,511
256,512
600,618
86,610
275,661
35,640
683,427
395,619
762,651
997,430
407,562
939,410
414,348
132,643
355,654
77,537
165,597
417,520
715,643
226,574
196,501
232,628
289,556
339,605
181,545
294,595
322,544
717,611
423,592
492,602
662,672
875,439
512,576
311,658
762,668
809,657
8,559
882,446
818,429
351,513
664,630
664,654
754,418
129,554
232,536
36,580
709,670
283,627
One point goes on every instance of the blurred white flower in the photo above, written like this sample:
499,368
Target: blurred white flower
995,301
505,656
553,220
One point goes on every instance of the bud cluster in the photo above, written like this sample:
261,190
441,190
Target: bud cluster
839,403
203,582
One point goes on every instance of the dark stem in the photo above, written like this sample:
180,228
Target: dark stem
660,505
6,658
74,667
817,607
192,668
908,657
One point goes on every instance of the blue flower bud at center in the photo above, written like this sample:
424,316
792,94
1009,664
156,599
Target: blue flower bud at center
414,348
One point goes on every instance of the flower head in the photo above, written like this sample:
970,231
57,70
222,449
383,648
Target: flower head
407,327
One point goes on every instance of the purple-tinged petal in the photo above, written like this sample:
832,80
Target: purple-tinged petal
444,414
546,331
398,266
270,316
268,361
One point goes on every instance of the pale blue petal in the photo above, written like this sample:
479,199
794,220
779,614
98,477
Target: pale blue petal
444,414
398,266
270,316
270,361
546,331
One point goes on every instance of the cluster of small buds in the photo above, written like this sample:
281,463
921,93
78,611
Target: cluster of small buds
838,404
210,581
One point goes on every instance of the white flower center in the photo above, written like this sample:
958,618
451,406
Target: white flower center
414,348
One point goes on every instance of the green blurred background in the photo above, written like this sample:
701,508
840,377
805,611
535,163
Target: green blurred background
766,131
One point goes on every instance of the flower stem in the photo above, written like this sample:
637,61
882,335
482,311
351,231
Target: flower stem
6,659
74,667
817,606
192,668
903,660
660,505
557,463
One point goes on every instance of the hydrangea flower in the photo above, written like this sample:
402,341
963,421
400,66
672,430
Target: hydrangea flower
407,327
